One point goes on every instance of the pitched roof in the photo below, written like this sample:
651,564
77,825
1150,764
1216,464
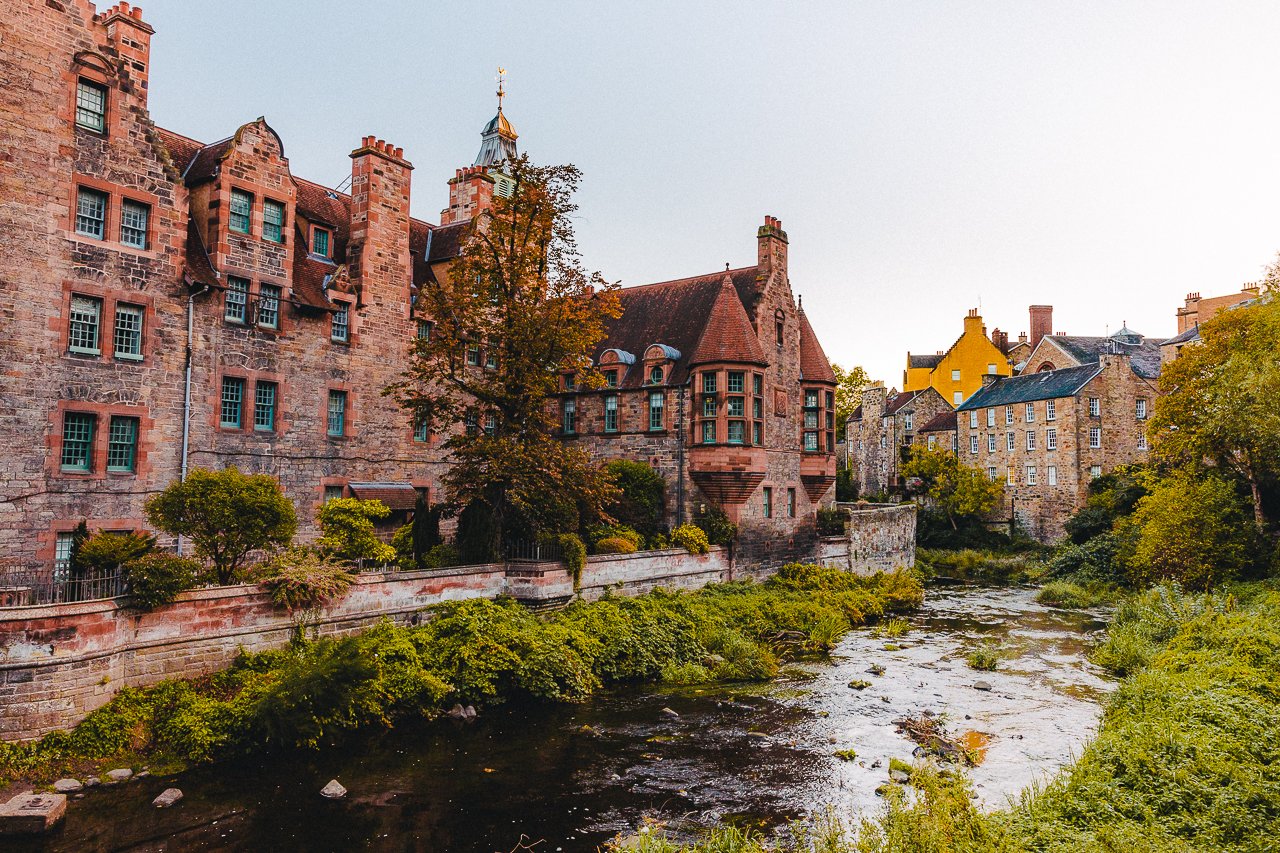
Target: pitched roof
1027,387
897,401
198,270
1145,357
941,422
309,275
446,241
1191,334
929,361
727,335
814,366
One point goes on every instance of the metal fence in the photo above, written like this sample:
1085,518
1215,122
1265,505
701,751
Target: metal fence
533,551
23,589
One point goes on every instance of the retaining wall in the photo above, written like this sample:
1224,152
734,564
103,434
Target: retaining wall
880,538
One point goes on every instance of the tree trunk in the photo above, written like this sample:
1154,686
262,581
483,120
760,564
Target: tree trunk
1258,517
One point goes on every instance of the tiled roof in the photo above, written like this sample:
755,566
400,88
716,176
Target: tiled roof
199,270
814,366
309,274
394,495
1145,357
897,401
181,148
727,335
446,241
1191,334
1048,385
941,422
929,361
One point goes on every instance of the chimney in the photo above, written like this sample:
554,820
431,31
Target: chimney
379,242
1000,339
973,323
131,37
989,379
1041,323
874,399
771,244
1022,337
470,194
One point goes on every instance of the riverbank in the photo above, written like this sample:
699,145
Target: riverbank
1186,757
479,652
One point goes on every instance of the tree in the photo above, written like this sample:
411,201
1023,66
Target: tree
961,492
1219,404
642,495
516,312
226,514
347,531
849,385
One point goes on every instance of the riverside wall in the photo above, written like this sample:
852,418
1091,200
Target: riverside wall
879,538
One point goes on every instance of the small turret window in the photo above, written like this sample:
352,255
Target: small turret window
320,242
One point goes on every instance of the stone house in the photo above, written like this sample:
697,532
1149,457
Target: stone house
882,428
939,433
958,372
1054,352
1047,434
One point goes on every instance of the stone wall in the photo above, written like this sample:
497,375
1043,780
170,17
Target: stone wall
879,538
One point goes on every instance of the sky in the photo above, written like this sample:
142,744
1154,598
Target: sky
925,158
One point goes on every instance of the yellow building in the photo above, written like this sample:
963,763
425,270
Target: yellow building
958,372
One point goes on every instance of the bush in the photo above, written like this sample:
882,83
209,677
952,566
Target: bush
615,545
1073,596
832,521
156,578
348,532
690,538
642,503
440,556
574,553
1111,496
970,564
614,531
105,553
1093,561
717,527
985,657
302,578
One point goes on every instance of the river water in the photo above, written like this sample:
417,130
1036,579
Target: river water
567,778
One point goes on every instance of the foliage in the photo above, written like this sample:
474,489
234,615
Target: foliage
846,486
691,538
962,493
1094,561
1111,496
978,565
517,291
413,541
599,532
832,521
849,385
1075,596
574,553
302,578
615,545
895,628
156,578
226,514
347,531
78,537
441,556
104,553
846,754
1219,400
985,657
1145,622
641,503
716,524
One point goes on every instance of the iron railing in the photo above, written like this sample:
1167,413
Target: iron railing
533,551
23,589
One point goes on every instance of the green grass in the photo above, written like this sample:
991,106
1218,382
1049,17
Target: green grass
1075,596
985,657
987,566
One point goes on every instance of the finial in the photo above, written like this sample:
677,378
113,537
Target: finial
502,74
726,266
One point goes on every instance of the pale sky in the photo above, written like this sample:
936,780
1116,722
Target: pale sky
1103,157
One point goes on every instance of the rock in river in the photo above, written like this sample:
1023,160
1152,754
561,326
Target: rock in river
120,774
167,797
67,786
981,685
334,790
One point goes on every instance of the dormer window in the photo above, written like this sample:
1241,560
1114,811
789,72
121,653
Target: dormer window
320,242
273,221
655,375
241,205
611,378
91,106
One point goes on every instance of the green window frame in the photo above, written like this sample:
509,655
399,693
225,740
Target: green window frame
134,217
757,433
611,378
708,432
657,401
424,330
320,242
490,425
810,399
757,408
421,430
569,420
264,407
736,407
91,106
757,383
736,382
268,313
337,420
611,413
77,441
126,341
340,323
471,422
237,299
656,375
708,383
84,325
122,444
240,209
231,414
91,213
272,221
768,502
737,432
810,441
791,503
473,355
709,407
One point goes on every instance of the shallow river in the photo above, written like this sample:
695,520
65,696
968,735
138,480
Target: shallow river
572,777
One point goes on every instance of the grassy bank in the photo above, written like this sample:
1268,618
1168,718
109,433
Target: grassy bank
1187,757
969,564
482,652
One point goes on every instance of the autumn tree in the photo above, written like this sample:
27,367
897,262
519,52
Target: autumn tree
1220,399
960,492
516,312
849,385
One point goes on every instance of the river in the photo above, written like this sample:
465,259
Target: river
567,778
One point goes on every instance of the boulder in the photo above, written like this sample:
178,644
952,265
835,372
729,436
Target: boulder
31,813
981,685
334,790
669,712
68,786
167,797
91,781
120,774
900,776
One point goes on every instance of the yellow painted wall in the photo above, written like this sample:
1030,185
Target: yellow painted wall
971,354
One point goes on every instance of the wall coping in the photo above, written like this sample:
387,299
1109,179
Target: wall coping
661,552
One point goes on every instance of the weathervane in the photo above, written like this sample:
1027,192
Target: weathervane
502,74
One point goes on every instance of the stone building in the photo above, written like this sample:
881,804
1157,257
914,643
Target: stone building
938,433
1055,352
881,429
1047,434
1197,309
171,303
958,372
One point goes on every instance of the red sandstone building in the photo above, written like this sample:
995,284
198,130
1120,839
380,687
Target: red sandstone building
170,303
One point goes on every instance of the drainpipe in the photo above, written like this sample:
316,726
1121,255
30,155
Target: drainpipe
680,456
186,389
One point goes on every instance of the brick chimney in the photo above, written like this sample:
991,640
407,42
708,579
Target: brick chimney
973,323
771,243
1041,323
379,247
131,37
470,194
1000,339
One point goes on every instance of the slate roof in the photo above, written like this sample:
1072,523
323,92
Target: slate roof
394,495
727,334
1145,357
814,366
1192,334
1049,385
897,401
199,270
929,361
941,422
309,274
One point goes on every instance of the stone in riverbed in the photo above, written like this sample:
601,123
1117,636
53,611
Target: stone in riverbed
899,776
31,813
669,712
981,685
334,790
120,774
167,797
91,781
68,786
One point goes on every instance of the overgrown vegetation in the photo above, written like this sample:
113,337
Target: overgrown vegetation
969,564
348,533
477,651
156,578
1075,596
690,538
302,578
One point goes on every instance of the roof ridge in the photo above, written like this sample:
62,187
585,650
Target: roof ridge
727,334
690,278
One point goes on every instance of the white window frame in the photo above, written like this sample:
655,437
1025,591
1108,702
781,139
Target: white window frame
1031,439
1051,439
1050,410
1029,415
1095,407
973,444
1095,437
1032,476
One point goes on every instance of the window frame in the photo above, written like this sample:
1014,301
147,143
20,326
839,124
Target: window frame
657,413
340,323
767,501
569,416
1051,438
610,413
316,231
268,294
273,232
240,383
140,312
132,424
271,408
144,229
1050,410
1095,438
233,282
89,421
336,416
73,324
234,216
83,83
84,193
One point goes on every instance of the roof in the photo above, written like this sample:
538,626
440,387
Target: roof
941,422
727,335
310,274
446,241
897,401
199,270
814,366
1048,385
1145,357
394,495
929,361
1191,334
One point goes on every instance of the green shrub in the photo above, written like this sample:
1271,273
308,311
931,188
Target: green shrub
348,532
846,754
971,564
1073,596
641,505
1093,561
615,545
105,553
440,557
155,579
301,578
717,527
614,531
895,627
690,538
832,521
985,657
574,553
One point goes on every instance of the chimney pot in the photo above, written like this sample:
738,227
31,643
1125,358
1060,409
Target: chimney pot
137,12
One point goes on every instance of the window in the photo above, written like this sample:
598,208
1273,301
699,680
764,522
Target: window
1142,441
708,383
757,434
421,430
736,407
1008,414
1095,407
473,355
1009,476
931,442
655,410
991,474
1051,439
264,407
757,383
241,204
708,432
1051,475
655,375
85,322
62,545
337,413
333,493
127,340
77,441
811,399
778,333
1095,436
957,397
709,407
991,368
424,330
757,408
1031,440
570,417
810,441
1009,443
1142,410
955,376
973,444
883,442
1095,471
991,442
768,502
91,106
570,382
1031,475
237,299
272,221
737,383
340,323
611,378
491,358
490,425
791,503
91,213
1030,415
908,421
1050,410
232,402
611,413
122,444
320,242
268,306
134,216
991,417
737,432
973,419
471,422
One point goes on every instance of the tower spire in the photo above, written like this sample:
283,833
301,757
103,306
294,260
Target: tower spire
502,74
498,139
